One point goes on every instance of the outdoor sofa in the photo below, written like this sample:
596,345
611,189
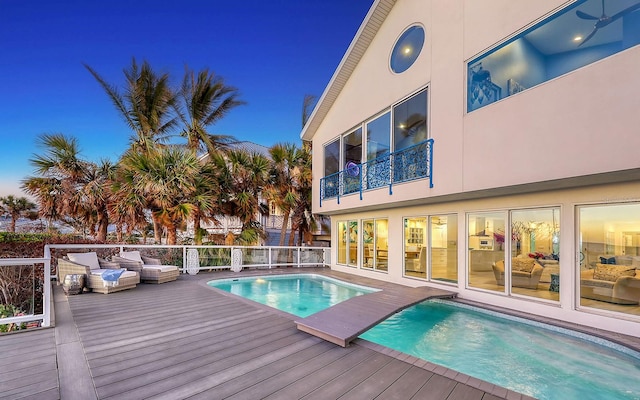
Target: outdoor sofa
92,267
150,269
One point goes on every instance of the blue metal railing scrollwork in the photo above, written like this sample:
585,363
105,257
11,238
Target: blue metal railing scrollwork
411,163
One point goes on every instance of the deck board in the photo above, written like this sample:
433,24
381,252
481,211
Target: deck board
345,321
378,382
28,366
184,339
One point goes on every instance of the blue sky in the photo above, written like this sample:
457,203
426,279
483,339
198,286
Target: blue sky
274,52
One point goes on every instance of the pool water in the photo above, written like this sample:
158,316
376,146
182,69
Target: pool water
524,356
300,294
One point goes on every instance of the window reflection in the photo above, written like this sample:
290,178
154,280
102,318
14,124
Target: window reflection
410,121
562,43
444,248
375,244
609,243
486,252
535,250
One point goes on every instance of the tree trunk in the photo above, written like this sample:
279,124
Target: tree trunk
13,222
157,229
197,235
103,224
283,230
119,232
292,236
172,233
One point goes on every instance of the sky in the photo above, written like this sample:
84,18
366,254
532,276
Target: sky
273,52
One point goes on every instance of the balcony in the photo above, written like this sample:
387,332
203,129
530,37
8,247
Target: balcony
411,163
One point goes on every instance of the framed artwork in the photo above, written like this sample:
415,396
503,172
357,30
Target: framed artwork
514,87
480,90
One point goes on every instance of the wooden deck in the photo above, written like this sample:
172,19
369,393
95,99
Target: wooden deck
347,320
184,339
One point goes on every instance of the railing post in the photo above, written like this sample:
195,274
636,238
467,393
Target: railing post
391,172
430,152
360,173
269,249
46,307
184,258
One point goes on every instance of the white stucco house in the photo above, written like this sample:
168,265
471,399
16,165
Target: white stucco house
489,148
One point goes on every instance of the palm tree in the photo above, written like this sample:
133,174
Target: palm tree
283,181
68,187
302,219
148,108
206,100
244,179
165,179
147,105
16,207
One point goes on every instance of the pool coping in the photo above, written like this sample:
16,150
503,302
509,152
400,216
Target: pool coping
624,340
630,342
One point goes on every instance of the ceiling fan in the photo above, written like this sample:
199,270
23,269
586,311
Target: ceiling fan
604,19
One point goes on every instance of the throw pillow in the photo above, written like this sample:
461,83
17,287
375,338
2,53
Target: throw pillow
522,264
89,259
611,273
132,255
604,260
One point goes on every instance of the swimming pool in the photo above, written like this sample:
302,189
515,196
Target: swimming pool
299,294
528,357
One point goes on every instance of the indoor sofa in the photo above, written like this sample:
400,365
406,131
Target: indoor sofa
525,272
619,284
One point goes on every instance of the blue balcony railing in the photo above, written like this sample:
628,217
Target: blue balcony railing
408,164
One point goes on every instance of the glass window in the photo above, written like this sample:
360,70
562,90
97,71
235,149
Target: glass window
348,243
368,243
378,136
352,150
407,49
410,121
375,244
444,247
382,245
332,158
609,243
331,182
580,34
535,250
342,242
353,243
415,247
486,255
377,169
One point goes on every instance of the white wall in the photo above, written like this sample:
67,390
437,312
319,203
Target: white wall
552,131
566,200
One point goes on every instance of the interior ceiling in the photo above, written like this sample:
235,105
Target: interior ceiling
555,37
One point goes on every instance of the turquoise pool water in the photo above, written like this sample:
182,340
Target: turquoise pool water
300,294
536,359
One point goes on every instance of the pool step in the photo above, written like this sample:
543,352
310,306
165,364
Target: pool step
345,321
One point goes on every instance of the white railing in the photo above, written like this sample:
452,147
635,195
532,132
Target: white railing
191,258
31,316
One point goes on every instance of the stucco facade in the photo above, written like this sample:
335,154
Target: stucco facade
566,143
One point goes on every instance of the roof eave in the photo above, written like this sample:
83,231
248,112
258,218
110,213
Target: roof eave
359,45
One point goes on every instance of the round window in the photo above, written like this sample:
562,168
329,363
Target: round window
407,49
